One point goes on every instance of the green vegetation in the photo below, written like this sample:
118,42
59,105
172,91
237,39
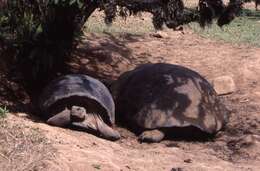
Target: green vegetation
133,25
96,166
244,29
3,112
42,34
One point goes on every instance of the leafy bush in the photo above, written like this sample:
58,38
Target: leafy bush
41,32
244,29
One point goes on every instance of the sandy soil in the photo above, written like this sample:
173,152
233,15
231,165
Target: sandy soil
106,56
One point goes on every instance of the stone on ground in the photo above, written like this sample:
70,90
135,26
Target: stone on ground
224,85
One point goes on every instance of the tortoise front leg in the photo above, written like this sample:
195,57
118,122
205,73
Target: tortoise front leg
106,131
61,119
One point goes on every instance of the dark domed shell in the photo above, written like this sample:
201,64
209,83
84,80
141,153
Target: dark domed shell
166,95
77,86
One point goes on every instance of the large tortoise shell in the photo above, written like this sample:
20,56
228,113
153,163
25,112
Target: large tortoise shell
165,95
77,89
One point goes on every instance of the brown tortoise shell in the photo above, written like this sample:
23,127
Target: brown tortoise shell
165,95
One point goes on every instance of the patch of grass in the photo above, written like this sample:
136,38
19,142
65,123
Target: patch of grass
137,25
134,24
244,29
3,112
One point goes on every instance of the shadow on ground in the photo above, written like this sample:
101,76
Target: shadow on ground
105,50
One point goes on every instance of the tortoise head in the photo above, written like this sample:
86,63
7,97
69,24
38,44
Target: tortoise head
77,114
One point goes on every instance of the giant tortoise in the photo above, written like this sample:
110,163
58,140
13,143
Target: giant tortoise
79,101
153,97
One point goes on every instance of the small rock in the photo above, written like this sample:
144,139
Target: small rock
173,144
224,85
176,169
257,94
159,34
22,115
246,141
188,161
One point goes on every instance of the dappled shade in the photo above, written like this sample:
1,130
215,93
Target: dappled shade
42,33
173,13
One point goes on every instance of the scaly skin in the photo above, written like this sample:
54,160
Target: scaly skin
78,117
61,119
94,122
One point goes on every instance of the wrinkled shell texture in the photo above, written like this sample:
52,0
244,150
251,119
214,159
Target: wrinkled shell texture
77,89
164,95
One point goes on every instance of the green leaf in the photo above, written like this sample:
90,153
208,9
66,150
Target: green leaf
80,3
72,2
56,2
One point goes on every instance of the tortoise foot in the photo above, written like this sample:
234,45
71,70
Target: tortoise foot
153,136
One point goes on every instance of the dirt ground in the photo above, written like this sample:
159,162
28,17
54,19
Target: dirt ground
106,56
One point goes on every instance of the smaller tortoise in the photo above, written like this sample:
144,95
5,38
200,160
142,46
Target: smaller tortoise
79,101
155,97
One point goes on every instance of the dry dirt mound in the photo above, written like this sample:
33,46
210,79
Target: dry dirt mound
22,147
106,56
81,151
